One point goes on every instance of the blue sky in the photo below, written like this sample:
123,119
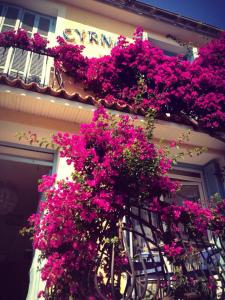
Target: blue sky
208,11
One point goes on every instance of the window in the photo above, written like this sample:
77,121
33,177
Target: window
171,49
16,62
192,188
19,198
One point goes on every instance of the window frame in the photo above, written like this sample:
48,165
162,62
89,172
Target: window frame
47,62
170,48
188,180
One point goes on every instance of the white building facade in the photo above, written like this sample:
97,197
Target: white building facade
29,101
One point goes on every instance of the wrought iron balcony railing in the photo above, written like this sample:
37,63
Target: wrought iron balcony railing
150,275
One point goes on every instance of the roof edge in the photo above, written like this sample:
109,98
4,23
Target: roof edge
147,10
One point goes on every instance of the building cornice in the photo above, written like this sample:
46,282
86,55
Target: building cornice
150,11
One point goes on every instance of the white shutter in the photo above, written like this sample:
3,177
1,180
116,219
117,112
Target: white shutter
18,63
36,68
3,57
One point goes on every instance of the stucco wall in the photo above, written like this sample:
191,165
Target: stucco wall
73,17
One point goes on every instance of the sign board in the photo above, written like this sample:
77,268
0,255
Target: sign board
88,37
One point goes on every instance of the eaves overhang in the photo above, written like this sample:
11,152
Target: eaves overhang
43,106
147,10
116,105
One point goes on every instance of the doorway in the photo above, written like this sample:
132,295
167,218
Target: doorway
19,199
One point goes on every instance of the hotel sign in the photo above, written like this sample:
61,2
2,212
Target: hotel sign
91,37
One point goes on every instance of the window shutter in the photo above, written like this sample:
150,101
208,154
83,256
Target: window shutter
213,182
3,57
37,63
19,62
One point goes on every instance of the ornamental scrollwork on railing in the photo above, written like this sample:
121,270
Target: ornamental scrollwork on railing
151,274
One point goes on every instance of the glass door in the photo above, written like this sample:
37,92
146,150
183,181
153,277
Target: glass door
21,168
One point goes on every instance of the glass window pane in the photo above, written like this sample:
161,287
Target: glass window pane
1,7
7,28
28,21
169,53
187,192
43,26
167,48
11,16
185,173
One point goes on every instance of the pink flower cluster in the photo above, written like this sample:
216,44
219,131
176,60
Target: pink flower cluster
217,223
195,217
46,183
115,166
173,250
186,226
199,217
142,76
38,43
21,39
69,58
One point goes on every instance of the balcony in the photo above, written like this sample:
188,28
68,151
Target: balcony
26,65
35,71
29,86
